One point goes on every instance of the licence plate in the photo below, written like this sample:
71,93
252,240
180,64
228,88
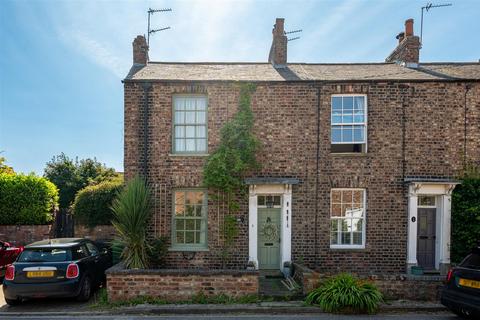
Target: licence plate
39,274
469,283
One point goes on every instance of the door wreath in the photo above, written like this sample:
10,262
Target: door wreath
270,231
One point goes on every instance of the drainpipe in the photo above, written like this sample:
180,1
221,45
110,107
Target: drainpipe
404,133
317,172
467,88
146,86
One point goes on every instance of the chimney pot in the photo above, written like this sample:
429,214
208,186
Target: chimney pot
409,28
140,50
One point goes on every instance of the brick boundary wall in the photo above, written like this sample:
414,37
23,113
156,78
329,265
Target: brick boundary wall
178,285
100,232
25,234
393,287
306,277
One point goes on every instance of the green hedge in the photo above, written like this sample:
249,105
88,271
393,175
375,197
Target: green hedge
26,199
466,215
92,204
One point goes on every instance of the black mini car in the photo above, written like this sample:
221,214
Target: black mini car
461,293
65,267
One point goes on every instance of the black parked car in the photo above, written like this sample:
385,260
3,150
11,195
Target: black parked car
461,293
65,267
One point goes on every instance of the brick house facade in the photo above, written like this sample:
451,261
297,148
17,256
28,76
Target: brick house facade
363,189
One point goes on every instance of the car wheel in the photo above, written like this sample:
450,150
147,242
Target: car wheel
86,290
12,302
462,313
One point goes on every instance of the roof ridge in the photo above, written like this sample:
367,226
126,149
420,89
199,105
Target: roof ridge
306,63
268,63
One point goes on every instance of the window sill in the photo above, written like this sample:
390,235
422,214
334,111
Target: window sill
346,247
184,249
188,154
348,154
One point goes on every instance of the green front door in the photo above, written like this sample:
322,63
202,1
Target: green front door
269,238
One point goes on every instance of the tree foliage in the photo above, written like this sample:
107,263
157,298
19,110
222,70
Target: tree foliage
5,168
26,199
72,175
92,205
228,165
466,215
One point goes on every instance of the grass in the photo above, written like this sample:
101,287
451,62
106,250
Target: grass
101,300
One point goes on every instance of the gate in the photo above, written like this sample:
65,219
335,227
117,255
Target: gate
64,224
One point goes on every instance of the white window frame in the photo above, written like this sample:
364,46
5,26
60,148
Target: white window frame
364,224
364,123
174,125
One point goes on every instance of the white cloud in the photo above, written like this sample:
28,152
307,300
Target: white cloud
98,52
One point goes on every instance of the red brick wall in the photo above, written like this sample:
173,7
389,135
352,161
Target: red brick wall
178,285
393,287
24,234
102,232
414,129
397,287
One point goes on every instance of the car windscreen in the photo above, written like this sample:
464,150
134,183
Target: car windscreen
472,261
45,255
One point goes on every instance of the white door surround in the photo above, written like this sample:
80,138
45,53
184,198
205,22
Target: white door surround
443,194
272,186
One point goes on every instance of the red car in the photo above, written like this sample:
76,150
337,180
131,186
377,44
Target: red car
8,254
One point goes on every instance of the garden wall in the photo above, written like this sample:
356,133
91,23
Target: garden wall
101,232
178,285
394,286
24,234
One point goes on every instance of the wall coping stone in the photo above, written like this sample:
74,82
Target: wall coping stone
386,276
119,269
302,268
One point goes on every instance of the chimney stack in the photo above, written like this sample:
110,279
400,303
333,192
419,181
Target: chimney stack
278,51
408,48
140,51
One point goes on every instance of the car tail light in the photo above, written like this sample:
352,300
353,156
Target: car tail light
449,275
72,271
10,272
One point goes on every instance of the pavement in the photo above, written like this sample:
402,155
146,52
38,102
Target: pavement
67,308
410,316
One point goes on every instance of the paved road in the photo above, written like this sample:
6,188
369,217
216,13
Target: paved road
72,305
437,316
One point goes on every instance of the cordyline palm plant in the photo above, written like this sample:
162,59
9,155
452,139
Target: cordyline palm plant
131,212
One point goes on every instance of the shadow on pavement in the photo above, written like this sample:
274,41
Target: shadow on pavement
46,305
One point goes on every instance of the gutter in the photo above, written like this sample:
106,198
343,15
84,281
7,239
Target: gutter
454,80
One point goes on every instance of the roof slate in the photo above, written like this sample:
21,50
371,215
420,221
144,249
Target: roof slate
258,72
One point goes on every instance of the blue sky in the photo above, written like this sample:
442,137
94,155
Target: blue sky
61,62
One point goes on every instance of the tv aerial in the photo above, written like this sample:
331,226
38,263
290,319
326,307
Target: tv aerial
290,32
427,7
152,31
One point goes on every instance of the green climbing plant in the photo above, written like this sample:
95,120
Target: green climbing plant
228,165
